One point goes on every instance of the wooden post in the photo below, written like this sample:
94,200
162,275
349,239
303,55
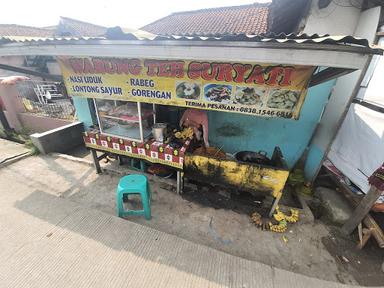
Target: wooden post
361,210
368,221
96,161
180,182
274,205
366,234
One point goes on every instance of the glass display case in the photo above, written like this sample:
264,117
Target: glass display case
130,120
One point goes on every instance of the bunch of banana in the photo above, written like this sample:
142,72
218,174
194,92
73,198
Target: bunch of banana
294,217
185,134
280,228
256,218
283,219
279,216
259,221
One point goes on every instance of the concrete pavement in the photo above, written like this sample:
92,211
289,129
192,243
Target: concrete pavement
48,241
52,242
11,150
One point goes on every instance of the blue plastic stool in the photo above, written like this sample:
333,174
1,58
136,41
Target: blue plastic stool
133,184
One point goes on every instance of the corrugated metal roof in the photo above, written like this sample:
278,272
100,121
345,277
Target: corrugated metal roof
117,34
21,39
281,38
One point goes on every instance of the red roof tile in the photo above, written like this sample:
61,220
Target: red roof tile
66,27
26,31
245,19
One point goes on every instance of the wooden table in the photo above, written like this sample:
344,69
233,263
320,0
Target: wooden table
151,151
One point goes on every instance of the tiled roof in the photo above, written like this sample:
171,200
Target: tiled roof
245,19
73,27
66,27
26,31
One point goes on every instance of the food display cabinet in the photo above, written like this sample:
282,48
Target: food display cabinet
129,120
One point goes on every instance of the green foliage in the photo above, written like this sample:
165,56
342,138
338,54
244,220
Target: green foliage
32,147
21,137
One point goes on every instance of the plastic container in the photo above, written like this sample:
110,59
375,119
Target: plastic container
158,131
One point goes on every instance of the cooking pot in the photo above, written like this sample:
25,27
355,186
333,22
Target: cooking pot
253,157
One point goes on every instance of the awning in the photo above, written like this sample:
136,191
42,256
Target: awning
343,54
314,50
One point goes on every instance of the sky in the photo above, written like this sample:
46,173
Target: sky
109,13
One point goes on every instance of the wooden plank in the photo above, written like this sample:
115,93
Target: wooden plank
361,210
328,74
368,221
243,176
31,72
376,230
96,161
366,234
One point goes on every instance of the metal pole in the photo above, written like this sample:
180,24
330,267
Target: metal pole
140,122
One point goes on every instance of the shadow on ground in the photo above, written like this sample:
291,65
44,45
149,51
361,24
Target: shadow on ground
52,178
145,243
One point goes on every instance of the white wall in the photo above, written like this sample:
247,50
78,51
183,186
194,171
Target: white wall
368,23
342,91
365,27
334,19
357,150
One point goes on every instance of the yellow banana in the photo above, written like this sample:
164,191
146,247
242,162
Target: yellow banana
294,217
185,134
279,228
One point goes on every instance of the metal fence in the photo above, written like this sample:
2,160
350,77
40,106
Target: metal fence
45,98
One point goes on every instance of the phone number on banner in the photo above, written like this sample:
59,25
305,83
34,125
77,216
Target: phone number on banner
247,110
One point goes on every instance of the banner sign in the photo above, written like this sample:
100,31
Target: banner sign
247,88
